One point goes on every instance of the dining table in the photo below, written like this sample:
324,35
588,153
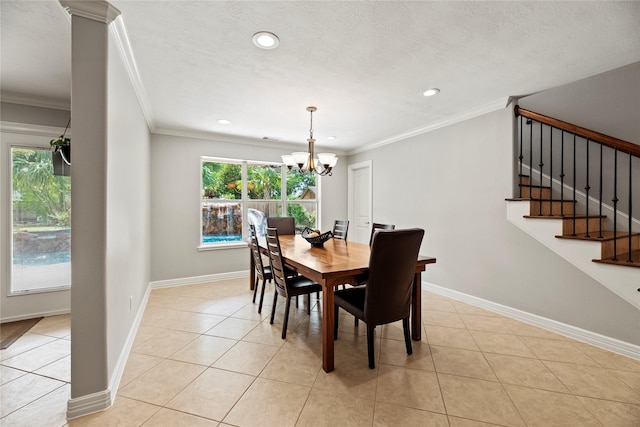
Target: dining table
338,262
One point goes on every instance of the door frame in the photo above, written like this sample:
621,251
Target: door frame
352,168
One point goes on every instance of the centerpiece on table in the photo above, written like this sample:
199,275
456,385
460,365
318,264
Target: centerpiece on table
315,237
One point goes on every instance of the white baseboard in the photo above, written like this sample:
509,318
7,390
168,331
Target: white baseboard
88,404
114,384
593,338
102,400
198,279
34,315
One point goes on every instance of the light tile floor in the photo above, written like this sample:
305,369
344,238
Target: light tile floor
203,356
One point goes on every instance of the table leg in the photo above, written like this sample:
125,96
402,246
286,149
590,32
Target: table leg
416,307
252,271
327,328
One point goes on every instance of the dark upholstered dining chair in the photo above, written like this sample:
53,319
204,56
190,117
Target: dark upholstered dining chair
340,229
286,286
284,224
376,226
387,296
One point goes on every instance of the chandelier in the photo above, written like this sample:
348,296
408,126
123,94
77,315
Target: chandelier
305,161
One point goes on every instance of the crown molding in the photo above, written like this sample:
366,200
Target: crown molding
121,39
31,129
97,10
35,101
496,105
233,139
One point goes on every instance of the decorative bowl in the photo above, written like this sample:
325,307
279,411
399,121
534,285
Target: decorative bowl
315,237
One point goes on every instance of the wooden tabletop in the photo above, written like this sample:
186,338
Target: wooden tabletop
332,262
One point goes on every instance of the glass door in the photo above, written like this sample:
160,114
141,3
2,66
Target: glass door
41,223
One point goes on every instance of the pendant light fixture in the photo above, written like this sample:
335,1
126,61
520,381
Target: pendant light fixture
305,161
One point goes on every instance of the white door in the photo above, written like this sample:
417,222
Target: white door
360,201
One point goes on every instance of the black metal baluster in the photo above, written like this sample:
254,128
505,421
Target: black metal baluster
600,198
541,165
530,123
574,183
561,171
630,205
551,171
520,158
587,188
615,204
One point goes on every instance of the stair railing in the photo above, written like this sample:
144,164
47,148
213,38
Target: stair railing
581,135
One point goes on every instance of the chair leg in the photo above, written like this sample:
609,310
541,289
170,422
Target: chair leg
264,286
255,290
355,322
407,335
372,357
309,304
273,309
335,322
296,301
286,318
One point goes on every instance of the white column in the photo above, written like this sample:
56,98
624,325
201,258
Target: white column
89,82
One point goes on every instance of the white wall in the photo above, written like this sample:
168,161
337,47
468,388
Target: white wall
452,182
175,205
128,207
606,103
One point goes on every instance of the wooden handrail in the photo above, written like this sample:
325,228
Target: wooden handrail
591,135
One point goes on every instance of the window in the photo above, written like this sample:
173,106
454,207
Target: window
41,216
301,199
237,192
264,190
222,202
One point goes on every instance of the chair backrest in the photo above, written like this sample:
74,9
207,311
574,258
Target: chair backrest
377,226
392,266
255,251
340,229
275,259
285,224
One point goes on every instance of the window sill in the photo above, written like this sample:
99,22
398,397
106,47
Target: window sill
39,291
219,246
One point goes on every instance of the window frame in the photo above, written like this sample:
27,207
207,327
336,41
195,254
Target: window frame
11,291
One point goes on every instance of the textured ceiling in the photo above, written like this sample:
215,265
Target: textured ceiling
363,64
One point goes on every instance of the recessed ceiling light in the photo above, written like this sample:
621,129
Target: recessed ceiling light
224,122
265,40
332,137
431,92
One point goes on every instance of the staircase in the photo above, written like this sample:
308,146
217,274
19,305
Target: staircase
549,207
614,246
